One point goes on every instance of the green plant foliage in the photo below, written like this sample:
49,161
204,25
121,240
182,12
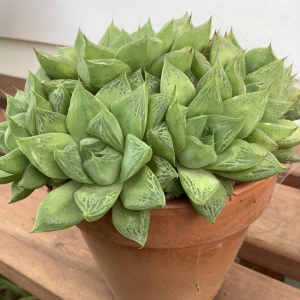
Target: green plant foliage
143,117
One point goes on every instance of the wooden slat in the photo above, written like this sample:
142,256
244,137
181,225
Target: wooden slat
58,265
244,284
273,241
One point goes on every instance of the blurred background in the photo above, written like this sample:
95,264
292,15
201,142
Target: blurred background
43,24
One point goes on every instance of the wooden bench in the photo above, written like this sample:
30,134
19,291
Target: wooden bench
58,265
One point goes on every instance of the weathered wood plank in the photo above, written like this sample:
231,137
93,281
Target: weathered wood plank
58,265
273,241
244,284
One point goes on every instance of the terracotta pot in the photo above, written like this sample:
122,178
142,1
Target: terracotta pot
185,257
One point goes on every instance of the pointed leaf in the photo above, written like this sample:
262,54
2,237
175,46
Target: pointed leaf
200,65
251,106
265,169
56,66
240,155
207,102
286,155
196,38
257,136
166,36
69,161
40,152
259,57
131,111
134,52
198,184
58,210
60,100
225,130
105,126
14,162
91,146
112,91
160,140
95,201
143,191
213,206
153,83
271,74
136,79
15,106
18,193
83,108
171,77
8,177
105,169
196,155
196,125
133,224
180,59
48,121
98,72
158,106
136,155
221,78
32,178
175,120
292,140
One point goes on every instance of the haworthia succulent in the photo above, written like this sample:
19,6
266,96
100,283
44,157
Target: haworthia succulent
171,77
143,191
251,106
131,111
110,35
211,209
94,200
286,155
136,79
207,102
8,177
105,168
239,155
257,136
68,53
266,168
200,65
58,210
133,224
56,66
160,140
136,155
133,53
14,162
223,83
60,100
48,121
195,154
40,152
163,170
195,126
90,146
15,106
105,126
176,123
32,178
18,193
97,72
292,140
225,130
196,37
198,184
180,59
112,91
83,107
153,83
69,161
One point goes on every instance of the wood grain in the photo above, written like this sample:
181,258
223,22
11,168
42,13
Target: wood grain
58,265
273,241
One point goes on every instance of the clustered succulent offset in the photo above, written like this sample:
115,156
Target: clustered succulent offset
140,116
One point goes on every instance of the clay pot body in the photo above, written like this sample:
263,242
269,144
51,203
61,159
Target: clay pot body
185,257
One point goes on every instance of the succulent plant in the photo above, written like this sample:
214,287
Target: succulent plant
138,118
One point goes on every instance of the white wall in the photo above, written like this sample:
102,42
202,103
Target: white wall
256,24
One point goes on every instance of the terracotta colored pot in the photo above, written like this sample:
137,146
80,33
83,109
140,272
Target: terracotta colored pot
185,257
